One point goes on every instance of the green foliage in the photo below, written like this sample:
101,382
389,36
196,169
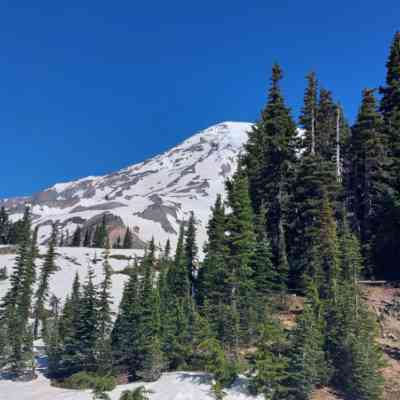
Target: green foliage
100,234
140,393
128,239
308,367
88,380
223,370
269,374
49,267
16,336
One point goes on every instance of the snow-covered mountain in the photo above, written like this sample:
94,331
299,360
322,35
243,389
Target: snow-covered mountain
152,197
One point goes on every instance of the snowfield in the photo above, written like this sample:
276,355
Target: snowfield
72,260
171,386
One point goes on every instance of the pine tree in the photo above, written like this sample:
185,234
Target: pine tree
104,318
315,180
324,266
167,251
100,233
386,250
177,276
77,237
14,311
308,366
270,363
265,275
368,178
124,337
213,274
191,251
42,291
223,370
269,163
351,329
87,242
241,243
66,359
309,115
326,126
148,326
390,107
88,329
4,226
128,239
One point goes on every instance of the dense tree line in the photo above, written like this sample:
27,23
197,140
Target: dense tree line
10,232
309,213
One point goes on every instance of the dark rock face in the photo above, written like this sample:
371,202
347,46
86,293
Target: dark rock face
158,212
99,207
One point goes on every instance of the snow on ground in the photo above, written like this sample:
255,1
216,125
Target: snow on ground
171,386
72,260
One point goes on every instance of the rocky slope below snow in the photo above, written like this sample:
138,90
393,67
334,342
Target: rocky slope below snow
152,197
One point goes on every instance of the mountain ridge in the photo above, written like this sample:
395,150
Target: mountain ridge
152,197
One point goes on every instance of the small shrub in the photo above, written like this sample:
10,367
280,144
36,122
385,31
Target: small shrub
139,393
121,257
88,380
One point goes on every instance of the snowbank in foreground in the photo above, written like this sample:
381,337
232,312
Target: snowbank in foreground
171,386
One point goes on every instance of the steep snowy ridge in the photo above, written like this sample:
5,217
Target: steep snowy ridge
151,197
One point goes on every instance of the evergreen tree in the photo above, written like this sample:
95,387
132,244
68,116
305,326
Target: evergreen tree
191,251
14,311
100,234
390,107
270,363
265,275
87,242
88,329
386,250
350,328
124,334
269,163
167,251
77,237
49,267
128,239
149,344
4,226
64,356
241,243
326,126
223,370
309,115
213,274
308,366
368,180
104,320
177,276
315,180
324,267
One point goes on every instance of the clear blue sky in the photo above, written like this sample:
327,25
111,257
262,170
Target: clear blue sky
87,87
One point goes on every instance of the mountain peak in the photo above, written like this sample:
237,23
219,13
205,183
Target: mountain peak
152,197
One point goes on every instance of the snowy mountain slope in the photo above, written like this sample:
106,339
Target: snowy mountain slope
72,260
152,197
